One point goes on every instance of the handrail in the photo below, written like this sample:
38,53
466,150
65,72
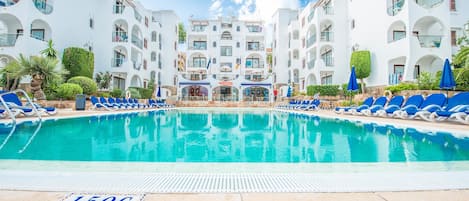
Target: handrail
33,106
31,138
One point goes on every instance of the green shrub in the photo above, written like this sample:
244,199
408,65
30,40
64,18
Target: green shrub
87,84
462,79
103,94
69,91
78,62
362,62
324,90
401,87
117,93
134,93
348,93
427,81
144,93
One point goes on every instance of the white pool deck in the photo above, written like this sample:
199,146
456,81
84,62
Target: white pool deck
244,181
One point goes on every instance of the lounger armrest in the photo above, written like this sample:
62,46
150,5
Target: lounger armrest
392,107
432,108
410,107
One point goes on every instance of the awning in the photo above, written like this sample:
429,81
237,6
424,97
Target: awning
194,83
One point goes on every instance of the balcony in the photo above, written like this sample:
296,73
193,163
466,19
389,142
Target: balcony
256,77
194,76
328,10
328,60
138,17
255,66
136,65
137,41
254,29
430,41
311,41
120,36
311,63
198,47
117,62
395,8
428,3
198,28
394,79
118,9
197,65
8,40
327,36
225,77
311,15
43,6
6,3
254,47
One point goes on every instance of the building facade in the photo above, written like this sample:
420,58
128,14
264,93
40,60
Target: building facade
404,37
226,61
133,43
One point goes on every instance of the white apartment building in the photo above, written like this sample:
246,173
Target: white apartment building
131,42
405,38
226,61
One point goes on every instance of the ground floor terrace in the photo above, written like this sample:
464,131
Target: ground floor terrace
42,180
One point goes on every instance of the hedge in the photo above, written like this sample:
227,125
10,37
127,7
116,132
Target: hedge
134,93
87,84
143,92
117,93
401,87
78,62
69,90
324,90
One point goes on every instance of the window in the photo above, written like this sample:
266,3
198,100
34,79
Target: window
153,36
326,80
153,56
214,44
146,21
453,38
91,23
253,46
416,71
38,34
302,22
214,60
398,71
214,28
252,63
238,44
176,46
398,35
226,51
352,24
199,62
175,63
159,61
118,83
296,35
226,67
200,45
145,43
238,28
275,61
452,5
144,64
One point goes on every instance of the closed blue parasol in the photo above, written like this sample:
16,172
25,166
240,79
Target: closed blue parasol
158,93
352,82
447,78
289,92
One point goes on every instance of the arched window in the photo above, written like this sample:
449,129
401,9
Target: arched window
226,36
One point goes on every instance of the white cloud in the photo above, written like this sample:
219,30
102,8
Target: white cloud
264,9
216,8
237,2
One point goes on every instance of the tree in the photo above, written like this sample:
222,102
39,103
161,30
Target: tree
42,71
461,59
182,33
103,79
11,75
362,62
50,51
79,62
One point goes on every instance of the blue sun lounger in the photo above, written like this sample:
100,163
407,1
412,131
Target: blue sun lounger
366,104
379,103
431,104
457,105
412,102
394,103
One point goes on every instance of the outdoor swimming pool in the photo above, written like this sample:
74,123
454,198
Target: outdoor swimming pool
231,135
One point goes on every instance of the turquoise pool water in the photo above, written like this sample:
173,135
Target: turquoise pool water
204,135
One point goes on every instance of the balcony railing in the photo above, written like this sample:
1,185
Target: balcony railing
328,60
255,77
327,36
430,41
254,29
199,28
260,65
197,65
428,3
118,9
138,17
194,76
120,36
328,10
225,77
198,47
395,8
394,79
8,40
311,15
43,6
137,41
117,62
311,63
5,3
311,41
255,48
136,65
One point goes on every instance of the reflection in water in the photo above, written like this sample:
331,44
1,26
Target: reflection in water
236,136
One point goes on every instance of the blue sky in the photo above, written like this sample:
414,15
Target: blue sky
209,9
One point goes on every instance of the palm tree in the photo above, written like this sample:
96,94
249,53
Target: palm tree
50,51
11,75
42,71
104,79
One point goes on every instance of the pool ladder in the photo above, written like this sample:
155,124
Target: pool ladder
13,118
